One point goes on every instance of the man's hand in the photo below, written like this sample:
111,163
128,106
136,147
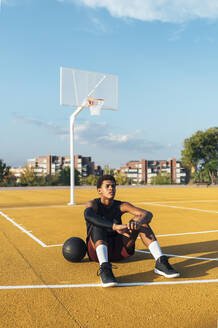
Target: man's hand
122,229
133,225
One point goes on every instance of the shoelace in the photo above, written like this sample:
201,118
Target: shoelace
109,267
165,262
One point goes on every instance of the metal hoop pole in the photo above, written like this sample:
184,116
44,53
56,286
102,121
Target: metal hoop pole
72,188
72,200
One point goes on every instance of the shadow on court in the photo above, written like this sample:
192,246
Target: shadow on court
147,276
189,268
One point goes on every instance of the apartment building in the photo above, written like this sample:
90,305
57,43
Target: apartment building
17,171
143,171
86,166
51,164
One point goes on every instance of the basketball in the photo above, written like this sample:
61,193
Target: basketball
74,249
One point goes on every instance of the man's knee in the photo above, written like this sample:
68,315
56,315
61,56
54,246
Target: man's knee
146,230
100,242
149,217
98,235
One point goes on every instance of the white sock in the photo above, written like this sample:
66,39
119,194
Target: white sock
155,249
102,253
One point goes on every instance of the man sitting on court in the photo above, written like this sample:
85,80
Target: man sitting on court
110,240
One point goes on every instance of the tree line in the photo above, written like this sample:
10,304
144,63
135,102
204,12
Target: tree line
199,156
30,178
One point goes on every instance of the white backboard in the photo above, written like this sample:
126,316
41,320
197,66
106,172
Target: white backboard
77,86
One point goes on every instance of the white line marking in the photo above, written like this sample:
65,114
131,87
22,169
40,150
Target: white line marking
77,205
41,206
119,284
186,233
58,245
168,235
182,208
23,230
182,256
183,201
170,255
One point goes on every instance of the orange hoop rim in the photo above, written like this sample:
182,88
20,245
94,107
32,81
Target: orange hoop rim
95,99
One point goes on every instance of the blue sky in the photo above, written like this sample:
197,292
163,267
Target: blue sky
165,53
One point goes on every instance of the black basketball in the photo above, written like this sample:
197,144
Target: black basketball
74,249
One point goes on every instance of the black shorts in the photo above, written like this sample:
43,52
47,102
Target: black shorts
116,248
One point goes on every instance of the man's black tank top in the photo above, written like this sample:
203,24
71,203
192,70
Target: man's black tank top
112,213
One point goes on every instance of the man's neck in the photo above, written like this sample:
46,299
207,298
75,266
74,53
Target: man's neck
106,201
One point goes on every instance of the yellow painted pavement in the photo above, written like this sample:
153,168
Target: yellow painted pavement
24,262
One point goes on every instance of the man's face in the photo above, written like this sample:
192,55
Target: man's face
108,189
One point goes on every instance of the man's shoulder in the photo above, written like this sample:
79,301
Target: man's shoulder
116,201
95,200
120,202
93,203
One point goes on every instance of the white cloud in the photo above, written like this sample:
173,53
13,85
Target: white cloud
100,134
96,134
9,2
158,10
177,33
98,25
49,126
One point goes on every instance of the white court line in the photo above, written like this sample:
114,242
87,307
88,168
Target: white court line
182,256
23,230
170,255
58,245
119,284
183,208
186,233
41,206
78,205
184,201
168,235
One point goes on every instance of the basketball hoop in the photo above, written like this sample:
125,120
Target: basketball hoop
95,106
76,89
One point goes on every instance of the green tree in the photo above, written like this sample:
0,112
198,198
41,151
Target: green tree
52,179
161,179
121,179
108,170
64,177
201,176
4,172
211,169
91,180
200,152
29,177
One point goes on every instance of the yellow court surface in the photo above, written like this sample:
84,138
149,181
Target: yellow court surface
39,288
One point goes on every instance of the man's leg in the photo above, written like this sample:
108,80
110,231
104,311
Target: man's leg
162,265
98,249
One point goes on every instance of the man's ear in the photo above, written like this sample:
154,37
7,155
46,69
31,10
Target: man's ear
99,190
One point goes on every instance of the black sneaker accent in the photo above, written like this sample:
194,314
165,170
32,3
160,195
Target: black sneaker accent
163,268
106,274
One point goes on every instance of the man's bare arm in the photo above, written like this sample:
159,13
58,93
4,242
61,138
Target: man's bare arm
140,216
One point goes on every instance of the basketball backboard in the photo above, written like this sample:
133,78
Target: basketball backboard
77,86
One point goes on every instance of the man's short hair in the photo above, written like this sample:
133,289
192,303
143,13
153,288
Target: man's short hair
103,178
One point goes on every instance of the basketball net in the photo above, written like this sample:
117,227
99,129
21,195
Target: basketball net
95,106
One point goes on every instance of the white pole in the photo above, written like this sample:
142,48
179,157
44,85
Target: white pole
71,160
72,119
